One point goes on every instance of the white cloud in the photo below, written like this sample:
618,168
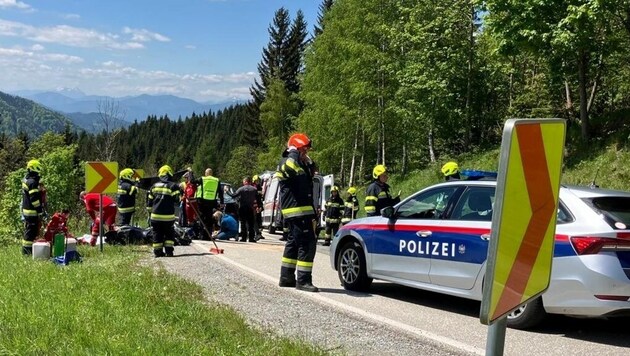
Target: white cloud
190,47
28,69
19,54
143,35
14,3
37,47
66,35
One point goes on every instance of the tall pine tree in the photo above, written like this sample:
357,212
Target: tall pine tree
323,8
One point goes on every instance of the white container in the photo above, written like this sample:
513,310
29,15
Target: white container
71,244
41,250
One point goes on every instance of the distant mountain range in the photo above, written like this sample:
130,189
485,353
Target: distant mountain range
132,108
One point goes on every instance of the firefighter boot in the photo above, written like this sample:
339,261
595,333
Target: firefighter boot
287,282
307,287
169,251
158,253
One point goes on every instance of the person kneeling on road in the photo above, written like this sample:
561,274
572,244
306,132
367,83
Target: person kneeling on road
229,228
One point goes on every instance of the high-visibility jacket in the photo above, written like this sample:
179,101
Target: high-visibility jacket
351,208
334,207
208,189
127,192
31,196
296,187
377,197
163,196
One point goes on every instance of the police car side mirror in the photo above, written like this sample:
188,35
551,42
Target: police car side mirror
387,212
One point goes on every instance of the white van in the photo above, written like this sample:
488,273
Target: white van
271,214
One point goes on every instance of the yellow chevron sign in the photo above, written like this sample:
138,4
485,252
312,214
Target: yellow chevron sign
101,177
523,227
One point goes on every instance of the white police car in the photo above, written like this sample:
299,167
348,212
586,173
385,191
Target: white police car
437,240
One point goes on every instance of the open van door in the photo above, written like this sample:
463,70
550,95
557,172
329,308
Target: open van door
321,193
271,215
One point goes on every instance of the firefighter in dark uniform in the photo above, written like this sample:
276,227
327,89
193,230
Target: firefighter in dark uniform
163,196
377,194
334,207
209,197
450,170
295,174
126,199
351,206
32,207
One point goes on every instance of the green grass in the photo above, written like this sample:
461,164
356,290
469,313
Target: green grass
111,304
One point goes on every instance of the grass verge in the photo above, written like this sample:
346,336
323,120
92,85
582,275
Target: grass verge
111,304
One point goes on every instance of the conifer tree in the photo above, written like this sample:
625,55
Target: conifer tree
323,8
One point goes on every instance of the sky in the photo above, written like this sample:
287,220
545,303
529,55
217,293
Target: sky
205,50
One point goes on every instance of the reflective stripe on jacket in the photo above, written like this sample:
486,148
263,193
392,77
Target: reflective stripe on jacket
163,196
296,187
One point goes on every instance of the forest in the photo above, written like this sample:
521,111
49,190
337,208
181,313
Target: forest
405,83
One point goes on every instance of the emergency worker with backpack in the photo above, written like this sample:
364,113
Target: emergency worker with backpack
126,199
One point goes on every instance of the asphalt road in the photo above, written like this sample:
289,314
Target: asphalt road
446,320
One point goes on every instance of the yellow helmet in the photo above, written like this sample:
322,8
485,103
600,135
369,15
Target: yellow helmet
165,170
334,188
450,168
378,170
352,190
255,178
34,166
126,173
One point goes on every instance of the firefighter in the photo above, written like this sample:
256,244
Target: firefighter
209,197
450,170
256,184
351,206
126,199
295,175
377,194
32,207
163,196
334,207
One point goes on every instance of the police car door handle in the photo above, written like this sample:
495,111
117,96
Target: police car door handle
485,237
424,233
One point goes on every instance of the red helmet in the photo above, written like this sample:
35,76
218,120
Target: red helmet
299,140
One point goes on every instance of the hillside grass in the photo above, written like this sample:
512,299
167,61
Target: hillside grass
114,304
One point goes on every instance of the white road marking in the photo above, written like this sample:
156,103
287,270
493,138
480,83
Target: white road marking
365,314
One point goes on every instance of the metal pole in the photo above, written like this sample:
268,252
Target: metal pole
100,217
496,337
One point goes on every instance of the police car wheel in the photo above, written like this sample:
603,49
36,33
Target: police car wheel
352,269
527,316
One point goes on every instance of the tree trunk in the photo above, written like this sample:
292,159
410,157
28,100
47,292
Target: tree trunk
582,74
569,103
341,170
469,79
598,73
431,151
354,155
362,153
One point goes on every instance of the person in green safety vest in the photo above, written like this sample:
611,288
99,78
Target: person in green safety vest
209,195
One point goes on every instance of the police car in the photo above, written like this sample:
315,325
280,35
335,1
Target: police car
437,240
